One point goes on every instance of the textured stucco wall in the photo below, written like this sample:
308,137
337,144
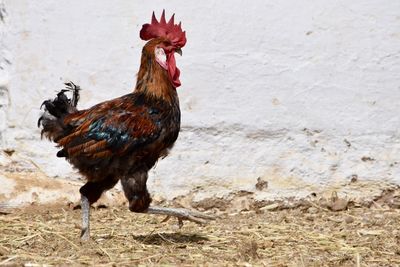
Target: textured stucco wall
304,94
4,72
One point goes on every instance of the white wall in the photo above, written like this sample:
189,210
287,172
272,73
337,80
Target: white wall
296,92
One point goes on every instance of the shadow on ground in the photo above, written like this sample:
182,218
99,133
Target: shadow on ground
170,238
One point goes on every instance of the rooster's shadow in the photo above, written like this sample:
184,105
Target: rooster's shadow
170,238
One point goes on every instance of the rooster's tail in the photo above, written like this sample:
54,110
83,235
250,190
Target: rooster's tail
52,119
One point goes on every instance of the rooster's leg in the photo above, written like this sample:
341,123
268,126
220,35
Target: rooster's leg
136,192
90,193
85,206
181,214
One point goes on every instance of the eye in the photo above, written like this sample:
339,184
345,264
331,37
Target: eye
161,57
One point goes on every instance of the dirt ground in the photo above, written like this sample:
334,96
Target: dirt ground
303,236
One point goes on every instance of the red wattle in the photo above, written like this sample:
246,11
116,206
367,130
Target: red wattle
173,71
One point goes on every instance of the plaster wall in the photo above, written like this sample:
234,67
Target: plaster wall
303,94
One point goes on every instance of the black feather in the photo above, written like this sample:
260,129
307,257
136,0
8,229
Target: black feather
55,111
62,153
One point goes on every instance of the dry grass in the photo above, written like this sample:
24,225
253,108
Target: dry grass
298,237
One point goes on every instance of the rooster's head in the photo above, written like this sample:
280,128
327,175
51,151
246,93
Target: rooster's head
166,38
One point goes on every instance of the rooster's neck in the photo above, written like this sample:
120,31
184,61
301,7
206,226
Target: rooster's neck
153,80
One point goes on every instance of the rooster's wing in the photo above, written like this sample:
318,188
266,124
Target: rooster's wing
112,128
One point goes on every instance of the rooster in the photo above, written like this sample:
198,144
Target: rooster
122,139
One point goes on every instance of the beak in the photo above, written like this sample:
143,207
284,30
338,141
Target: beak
179,51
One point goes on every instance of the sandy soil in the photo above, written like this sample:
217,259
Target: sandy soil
304,236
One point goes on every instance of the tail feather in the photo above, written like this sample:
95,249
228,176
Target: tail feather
75,93
52,119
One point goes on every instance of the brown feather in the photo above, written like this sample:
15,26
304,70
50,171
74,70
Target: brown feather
96,147
103,154
78,150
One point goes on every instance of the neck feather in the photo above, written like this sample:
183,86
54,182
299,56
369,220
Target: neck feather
153,80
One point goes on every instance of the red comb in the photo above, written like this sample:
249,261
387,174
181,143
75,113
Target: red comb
164,29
